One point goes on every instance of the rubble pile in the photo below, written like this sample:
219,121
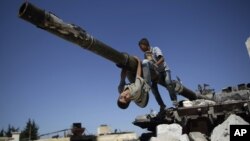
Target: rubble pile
173,132
198,102
197,136
221,132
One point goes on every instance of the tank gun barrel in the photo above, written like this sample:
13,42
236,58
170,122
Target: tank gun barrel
75,34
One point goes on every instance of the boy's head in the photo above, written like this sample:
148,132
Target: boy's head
124,99
144,44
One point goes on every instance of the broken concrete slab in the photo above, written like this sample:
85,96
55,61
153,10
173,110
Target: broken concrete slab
222,133
171,132
198,102
184,137
173,129
197,136
168,137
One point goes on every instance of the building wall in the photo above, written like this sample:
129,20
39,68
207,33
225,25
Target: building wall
130,136
4,138
118,137
55,139
15,136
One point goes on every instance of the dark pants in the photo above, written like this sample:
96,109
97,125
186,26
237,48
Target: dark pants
157,95
164,80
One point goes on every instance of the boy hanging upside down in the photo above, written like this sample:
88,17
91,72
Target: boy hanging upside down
137,91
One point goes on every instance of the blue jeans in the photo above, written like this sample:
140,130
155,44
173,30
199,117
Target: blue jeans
164,80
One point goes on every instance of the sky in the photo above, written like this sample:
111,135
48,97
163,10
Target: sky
56,83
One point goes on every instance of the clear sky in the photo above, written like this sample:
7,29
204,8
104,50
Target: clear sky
56,83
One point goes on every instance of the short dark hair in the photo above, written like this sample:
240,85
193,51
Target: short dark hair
144,41
122,105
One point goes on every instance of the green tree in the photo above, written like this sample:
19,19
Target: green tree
11,129
30,132
2,133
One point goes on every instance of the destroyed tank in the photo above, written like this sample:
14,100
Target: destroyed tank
203,114
190,118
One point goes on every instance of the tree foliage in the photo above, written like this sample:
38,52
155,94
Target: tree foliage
11,129
2,133
30,132
8,132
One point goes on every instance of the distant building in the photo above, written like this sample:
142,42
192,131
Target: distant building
15,137
55,139
5,138
104,133
103,130
123,136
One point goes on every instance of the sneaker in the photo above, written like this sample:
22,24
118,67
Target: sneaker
175,103
162,109
162,113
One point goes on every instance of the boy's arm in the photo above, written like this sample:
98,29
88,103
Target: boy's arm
159,55
138,72
122,80
123,74
138,80
160,60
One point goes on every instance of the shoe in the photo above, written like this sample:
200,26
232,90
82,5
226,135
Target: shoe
162,109
162,113
175,103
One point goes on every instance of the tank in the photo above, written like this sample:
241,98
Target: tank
190,118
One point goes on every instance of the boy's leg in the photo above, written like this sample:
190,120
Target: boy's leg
170,86
146,67
157,96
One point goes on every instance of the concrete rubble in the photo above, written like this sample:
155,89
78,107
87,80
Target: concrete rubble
221,132
197,136
232,96
198,102
171,132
